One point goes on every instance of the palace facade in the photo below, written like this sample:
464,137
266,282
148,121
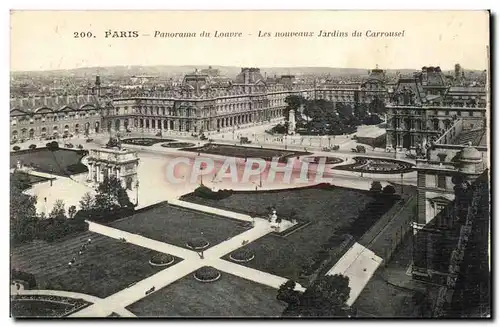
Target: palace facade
422,107
205,102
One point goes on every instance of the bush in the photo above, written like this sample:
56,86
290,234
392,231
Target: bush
205,192
16,148
32,146
29,278
54,145
198,243
242,255
161,259
376,187
389,189
207,274
51,230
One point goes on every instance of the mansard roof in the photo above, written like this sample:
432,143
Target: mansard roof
49,104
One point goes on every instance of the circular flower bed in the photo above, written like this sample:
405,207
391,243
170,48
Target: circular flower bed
198,244
329,160
242,255
378,166
161,259
207,274
176,145
145,141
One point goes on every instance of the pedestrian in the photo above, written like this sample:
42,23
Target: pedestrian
80,252
89,241
69,264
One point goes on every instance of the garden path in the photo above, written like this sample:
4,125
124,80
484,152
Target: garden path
192,261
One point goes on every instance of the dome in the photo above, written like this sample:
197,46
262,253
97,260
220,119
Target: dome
470,154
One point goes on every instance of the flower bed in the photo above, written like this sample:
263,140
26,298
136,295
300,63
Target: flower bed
176,145
207,274
198,244
329,160
161,259
145,141
377,166
242,255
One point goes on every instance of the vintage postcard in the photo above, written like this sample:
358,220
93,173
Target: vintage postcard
270,164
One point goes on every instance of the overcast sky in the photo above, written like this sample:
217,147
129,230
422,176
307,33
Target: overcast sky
45,40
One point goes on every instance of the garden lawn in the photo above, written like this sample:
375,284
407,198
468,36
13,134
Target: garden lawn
56,162
106,267
331,211
230,296
245,151
34,309
29,180
177,226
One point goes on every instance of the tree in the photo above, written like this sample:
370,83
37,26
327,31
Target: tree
52,146
58,211
377,106
389,189
111,195
293,102
376,187
87,202
23,218
16,148
326,297
32,146
71,211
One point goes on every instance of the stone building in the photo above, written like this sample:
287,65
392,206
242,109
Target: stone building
444,180
423,107
39,117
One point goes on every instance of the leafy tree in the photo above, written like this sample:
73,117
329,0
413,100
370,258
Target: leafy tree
52,146
23,218
32,146
376,187
288,294
377,106
111,195
389,189
71,211
58,211
16,148
326,297
345,110
87,202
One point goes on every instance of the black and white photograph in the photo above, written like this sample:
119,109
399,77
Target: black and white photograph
250,164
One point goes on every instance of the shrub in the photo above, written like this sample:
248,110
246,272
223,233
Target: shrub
16,148
54,145
161,259
32,146
29,278
376,187
205,192
207,274
389,189
198,243
242,255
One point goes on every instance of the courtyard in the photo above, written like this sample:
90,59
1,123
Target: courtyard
61,162
105,267
230,296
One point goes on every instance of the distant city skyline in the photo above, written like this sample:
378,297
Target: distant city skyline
44,40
